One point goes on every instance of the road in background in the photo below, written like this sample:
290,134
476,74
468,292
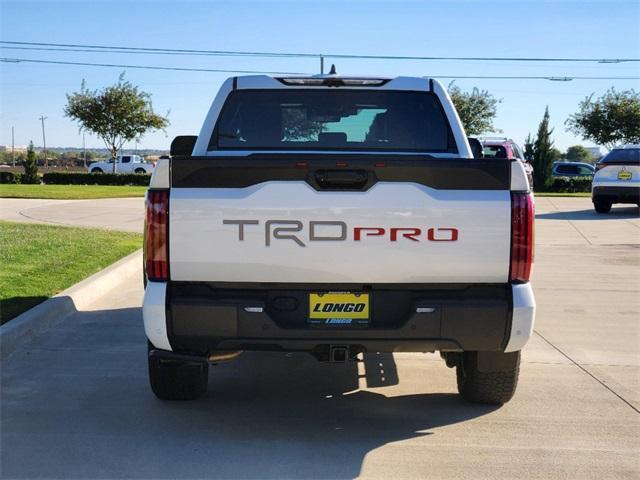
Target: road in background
76,401
124,214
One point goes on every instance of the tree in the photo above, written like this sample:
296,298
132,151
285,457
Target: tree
297,127
556,155
609,120
30,166
41,157
477,109
543,154
577,153
528,148
116,114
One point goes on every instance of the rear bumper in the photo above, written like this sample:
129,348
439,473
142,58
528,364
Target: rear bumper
200,319
616,194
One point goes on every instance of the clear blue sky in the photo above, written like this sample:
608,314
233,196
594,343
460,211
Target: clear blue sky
450,28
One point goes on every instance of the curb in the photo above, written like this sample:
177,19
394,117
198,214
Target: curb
45,315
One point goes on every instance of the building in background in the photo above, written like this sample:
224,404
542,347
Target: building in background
16,148
595,152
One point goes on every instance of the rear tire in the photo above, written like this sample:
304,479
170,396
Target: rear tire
602,206
140,170
172,380
489,387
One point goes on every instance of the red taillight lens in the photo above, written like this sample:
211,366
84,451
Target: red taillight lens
522,218
600,166
156,248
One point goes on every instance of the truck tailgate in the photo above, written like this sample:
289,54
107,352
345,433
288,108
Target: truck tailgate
279,231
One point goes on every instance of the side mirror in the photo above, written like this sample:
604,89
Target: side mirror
476,147
182,145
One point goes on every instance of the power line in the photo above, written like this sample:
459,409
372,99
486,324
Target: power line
214,70
171,53
100,48
139,52
146,67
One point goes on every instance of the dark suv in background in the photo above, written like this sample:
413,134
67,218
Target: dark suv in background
573,169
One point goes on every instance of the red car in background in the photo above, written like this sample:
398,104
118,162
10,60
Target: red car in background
505,148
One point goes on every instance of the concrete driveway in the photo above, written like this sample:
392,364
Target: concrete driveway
124,214
76,403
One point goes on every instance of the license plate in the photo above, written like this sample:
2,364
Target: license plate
624,175
339,308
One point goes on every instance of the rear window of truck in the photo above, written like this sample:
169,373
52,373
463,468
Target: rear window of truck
377,120
623,155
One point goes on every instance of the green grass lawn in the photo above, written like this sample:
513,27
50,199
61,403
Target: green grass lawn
554,194
38,261
69,192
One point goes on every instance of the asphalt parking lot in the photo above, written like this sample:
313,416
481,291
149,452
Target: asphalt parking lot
76,402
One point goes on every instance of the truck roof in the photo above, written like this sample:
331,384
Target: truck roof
334,80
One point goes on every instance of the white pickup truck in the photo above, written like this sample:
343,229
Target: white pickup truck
124,164
336,216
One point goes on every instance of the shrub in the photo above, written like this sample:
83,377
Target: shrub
81,178
30,167
570,185
10,177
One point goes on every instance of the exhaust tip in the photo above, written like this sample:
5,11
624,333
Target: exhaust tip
223,356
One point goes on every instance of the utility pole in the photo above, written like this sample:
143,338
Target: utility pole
44,142
84,152
13,149
321,65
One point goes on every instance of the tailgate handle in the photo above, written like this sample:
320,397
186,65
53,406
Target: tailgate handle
341,179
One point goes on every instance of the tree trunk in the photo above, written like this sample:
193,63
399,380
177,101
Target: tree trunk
114,156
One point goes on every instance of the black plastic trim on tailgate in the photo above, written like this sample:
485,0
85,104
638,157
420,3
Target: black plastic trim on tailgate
437,173
201,315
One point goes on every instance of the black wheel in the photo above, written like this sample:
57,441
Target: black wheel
602,206
488,377
172,380
140,170
97,170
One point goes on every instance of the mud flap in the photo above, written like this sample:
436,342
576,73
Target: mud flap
497,361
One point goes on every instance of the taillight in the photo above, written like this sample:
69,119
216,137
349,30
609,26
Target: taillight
522,218
156,245
600,166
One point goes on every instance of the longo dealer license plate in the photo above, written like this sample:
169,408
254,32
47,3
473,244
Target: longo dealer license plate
339,309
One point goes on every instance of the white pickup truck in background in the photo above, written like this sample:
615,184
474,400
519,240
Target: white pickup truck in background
336,216
124,164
